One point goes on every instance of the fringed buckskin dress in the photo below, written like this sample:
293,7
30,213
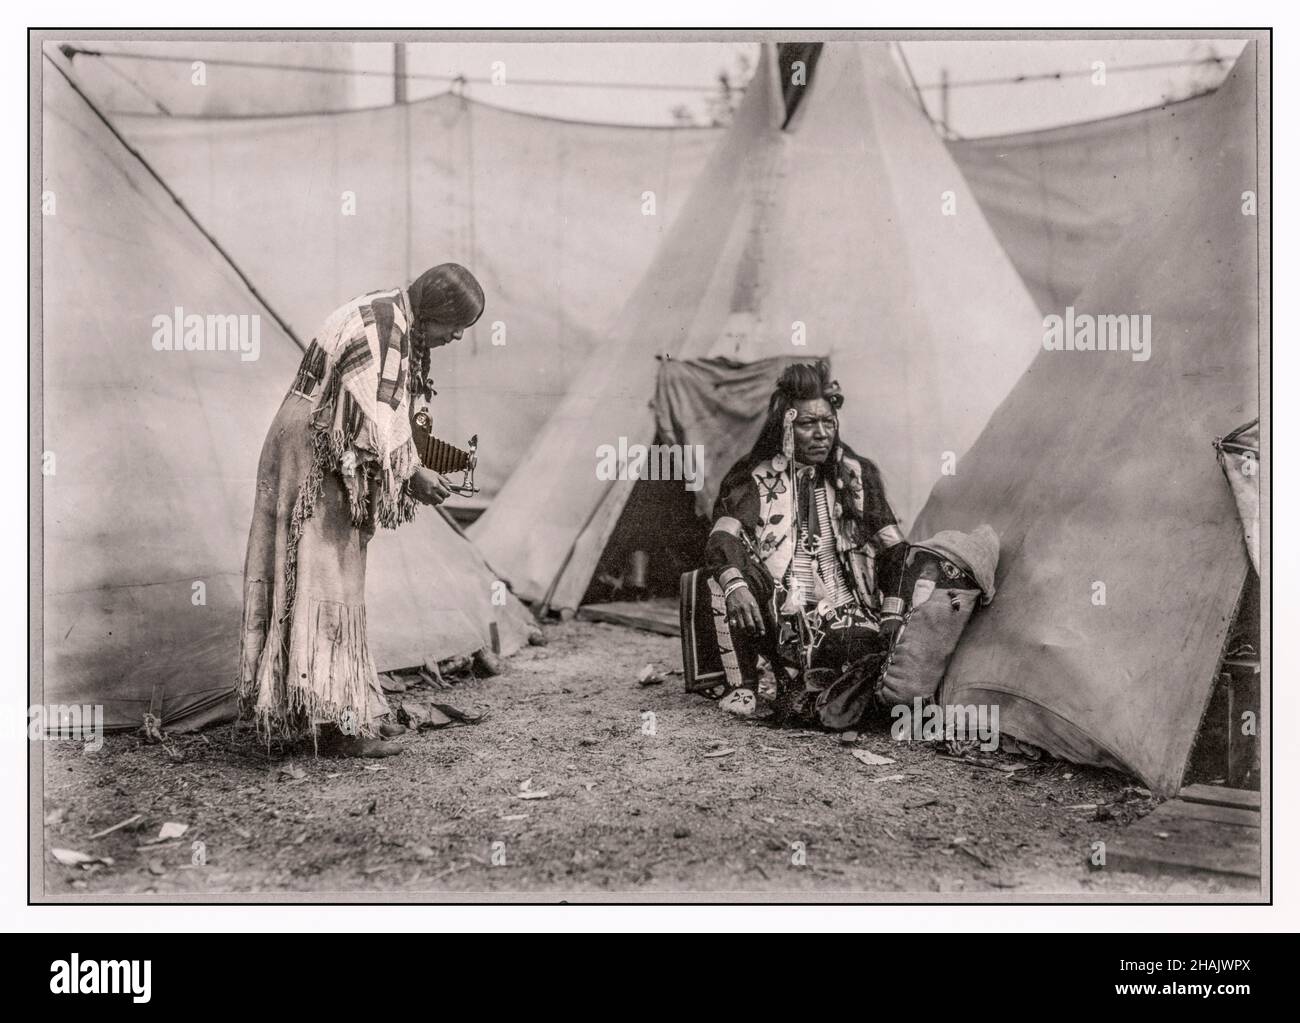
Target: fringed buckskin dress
336,462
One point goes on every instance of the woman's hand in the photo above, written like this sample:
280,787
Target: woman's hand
428,487
744,613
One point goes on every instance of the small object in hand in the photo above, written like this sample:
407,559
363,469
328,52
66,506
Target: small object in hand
441,457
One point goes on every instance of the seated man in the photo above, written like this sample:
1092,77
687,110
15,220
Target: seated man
802,531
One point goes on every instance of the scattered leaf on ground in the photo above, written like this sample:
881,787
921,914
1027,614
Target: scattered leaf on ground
453,714
649,677
416,714
434,717
119,825
974,855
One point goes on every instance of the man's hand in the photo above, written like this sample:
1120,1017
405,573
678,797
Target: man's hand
744,613
428,487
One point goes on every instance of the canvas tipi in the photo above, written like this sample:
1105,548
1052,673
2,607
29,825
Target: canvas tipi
848,234
1122,555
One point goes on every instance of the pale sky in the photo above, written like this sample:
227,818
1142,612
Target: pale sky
691,69
973,110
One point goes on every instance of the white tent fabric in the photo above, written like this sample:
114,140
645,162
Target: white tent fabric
1061,200
851,235
552,519
147,509
1122,560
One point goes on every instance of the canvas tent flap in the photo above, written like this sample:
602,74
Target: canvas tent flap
146,512
857,254
826,238
1121,555
716,406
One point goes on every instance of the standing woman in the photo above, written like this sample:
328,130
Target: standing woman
338,461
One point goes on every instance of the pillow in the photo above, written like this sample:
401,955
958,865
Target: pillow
925,644
943,579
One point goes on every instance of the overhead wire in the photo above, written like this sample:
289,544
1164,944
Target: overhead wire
379,73
462,79
456,83
136,86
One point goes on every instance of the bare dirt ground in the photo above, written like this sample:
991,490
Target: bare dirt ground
560,792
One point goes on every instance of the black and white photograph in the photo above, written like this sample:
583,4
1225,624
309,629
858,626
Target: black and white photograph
710,466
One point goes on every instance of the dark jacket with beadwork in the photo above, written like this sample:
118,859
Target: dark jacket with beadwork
753,533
